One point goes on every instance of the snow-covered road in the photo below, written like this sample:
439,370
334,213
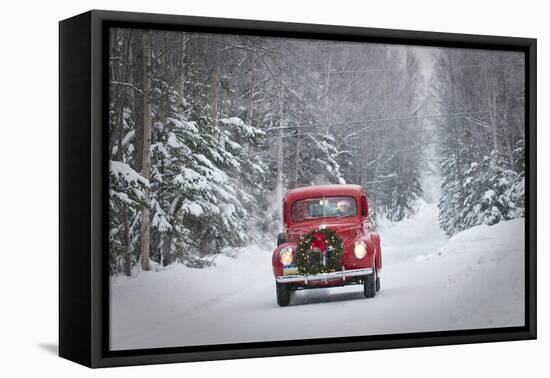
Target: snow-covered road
429,283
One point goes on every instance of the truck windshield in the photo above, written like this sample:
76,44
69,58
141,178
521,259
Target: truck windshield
325,207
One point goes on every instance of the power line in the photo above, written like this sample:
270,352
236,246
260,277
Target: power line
332,124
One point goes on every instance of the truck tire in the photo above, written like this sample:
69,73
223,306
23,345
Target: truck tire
281,239
377,283
370,285
283,294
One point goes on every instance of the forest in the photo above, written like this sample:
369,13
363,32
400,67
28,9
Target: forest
207,131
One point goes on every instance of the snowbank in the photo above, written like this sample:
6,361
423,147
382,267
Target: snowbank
485,272
412,237
148,309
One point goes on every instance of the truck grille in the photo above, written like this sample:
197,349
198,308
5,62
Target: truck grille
316,259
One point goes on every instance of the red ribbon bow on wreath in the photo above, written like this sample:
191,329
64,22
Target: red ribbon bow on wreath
318,242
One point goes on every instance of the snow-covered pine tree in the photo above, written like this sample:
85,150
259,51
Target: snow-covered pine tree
196,207
452,195
126,198
482,172
200,204
315,160
126,186
489,197
244,142
517,190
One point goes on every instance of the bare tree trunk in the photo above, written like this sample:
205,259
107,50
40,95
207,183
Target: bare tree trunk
180,81
214,80
458,141
371,216
297,159
250,112
507,130
280,153
491,106
364,160
121,48
126,243
147,126
327,88
494,125
139,101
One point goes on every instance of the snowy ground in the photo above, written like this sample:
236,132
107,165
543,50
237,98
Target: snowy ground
429,283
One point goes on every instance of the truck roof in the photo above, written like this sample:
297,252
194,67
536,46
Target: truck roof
323,190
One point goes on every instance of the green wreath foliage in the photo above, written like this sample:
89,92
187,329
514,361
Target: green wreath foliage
309,262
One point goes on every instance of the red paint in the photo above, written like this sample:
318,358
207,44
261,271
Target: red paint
350,228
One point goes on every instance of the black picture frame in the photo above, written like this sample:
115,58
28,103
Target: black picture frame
83,249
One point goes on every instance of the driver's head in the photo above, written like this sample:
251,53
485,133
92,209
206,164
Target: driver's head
343,206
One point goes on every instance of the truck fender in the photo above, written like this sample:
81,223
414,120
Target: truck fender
275,259
376,239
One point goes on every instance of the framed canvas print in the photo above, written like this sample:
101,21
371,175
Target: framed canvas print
233,188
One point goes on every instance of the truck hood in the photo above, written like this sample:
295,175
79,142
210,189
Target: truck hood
347,231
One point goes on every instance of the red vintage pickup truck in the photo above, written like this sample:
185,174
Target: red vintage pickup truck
326,242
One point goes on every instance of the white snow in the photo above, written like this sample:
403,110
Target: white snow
489,194
121,196
123,170
412,237
159,221
232,121
173,141
192,208
429,283
129,137
247,130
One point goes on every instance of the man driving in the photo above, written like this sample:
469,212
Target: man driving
343,208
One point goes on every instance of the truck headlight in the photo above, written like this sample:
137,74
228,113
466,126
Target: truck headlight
286,256
360,249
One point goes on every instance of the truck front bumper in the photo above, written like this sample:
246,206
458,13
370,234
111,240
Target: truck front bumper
324,277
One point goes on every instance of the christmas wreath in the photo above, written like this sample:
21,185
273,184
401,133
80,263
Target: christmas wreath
319,251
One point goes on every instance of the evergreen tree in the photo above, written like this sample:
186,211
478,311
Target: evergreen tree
126,198
487,186
517,190
452,196
482,170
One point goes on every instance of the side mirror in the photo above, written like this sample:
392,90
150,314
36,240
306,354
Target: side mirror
281,238
285,215
364,206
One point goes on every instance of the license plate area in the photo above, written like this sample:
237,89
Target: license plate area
289,270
